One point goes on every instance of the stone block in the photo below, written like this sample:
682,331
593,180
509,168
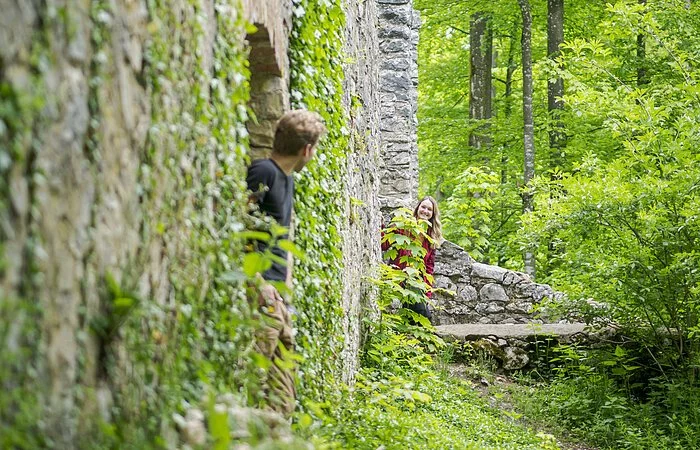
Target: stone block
488,272
522,307
444,282
515,358
392,2
397,13
467,294
492,292
396,64
494,308
395,46
392,81
402,32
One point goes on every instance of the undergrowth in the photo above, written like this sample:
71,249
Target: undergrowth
592,399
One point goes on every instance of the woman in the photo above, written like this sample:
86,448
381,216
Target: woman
427,209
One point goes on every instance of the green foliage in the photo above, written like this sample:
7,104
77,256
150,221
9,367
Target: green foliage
19,405
417,409
316,61
467,212
21,388
172,351
593,407
626,229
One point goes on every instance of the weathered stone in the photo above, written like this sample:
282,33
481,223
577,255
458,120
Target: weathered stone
487,272
519,307
515,358
395,32
395,13
395,46
467,294
492,292
511,278
444,282
395,64
361,178
393,81
494,309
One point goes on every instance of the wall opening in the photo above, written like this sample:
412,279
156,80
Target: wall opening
269,98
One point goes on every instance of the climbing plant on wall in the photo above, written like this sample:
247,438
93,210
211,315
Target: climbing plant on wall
192,178
316,84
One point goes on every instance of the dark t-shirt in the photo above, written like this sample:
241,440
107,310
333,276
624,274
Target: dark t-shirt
273,190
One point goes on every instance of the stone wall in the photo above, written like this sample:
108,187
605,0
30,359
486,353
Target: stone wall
269,67
398,33
483,293
75,208
273,20
362,217
93,189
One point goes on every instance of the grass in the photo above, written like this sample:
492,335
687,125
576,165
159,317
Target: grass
421,409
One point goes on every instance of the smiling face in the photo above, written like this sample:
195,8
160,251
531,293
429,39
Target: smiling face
425,210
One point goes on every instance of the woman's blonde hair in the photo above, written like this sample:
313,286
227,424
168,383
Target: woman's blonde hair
435,230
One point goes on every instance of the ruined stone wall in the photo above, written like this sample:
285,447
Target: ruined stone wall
362,218
483,293
269,66
119,130
398,32
122,164
74,207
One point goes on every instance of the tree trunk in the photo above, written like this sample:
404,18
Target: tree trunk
528,125
481,45
555,87
642,77
508,109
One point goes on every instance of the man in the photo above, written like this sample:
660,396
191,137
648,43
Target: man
272,186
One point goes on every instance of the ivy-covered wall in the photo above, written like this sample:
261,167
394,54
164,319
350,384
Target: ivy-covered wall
122,198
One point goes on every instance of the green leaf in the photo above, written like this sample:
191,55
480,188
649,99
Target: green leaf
254,263
254,235
289,246
233,277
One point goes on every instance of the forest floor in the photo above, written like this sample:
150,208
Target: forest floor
497,391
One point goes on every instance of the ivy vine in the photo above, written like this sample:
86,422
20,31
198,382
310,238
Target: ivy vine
316,84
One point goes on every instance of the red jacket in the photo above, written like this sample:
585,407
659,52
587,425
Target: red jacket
428,260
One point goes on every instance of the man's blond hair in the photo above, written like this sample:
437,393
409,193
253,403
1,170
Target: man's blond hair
295,130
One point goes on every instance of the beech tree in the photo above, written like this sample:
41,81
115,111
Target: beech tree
481,56
528,125
555,85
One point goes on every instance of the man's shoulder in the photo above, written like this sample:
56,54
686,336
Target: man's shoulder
261,170
262,164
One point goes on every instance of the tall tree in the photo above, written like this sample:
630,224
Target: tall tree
528,124
642,77
555,86
480,89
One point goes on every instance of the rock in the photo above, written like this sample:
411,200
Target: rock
493,293
192,429
487,272
515,358
467,294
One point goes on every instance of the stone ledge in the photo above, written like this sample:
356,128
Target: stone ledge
472,331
